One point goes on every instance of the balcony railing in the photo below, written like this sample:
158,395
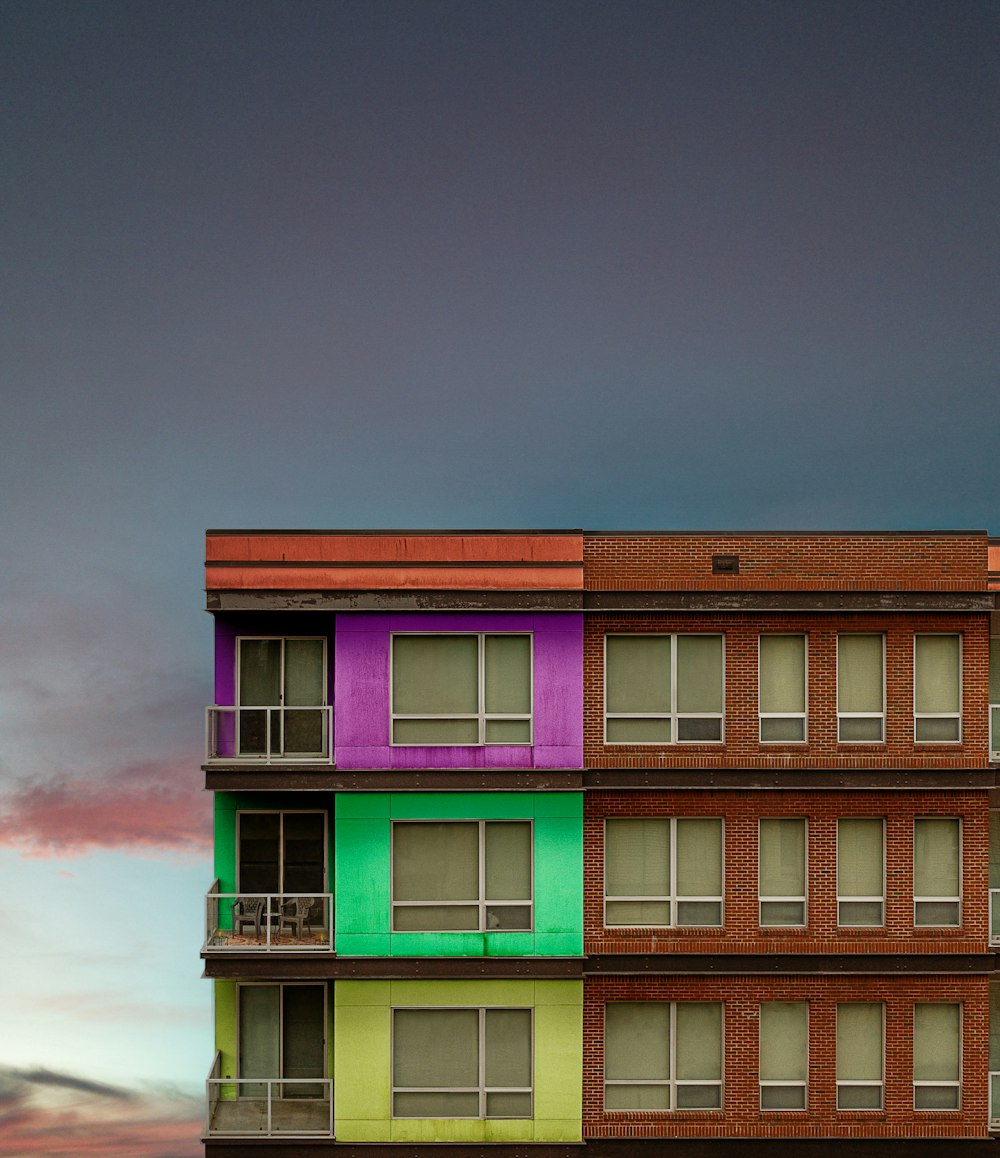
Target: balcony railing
994,1100
269,735
268,922
995,731
268,1107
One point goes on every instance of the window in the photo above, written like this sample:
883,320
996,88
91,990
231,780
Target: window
663,1056
861,871
995,699
663,872
861,689
784,1055
663,689
449,876
937,688
281,697
860,1048
461,1063
281,852
937,871
782,689
282,1035
937,1056
781,871
461,689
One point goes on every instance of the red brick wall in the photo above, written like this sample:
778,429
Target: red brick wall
741,1115
787,562
741,812
741,747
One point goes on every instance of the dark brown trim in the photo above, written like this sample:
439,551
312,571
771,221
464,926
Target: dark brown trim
305,966
311,1147
766,779
323,778
757,534
789,964
791,1147
242,599
790,599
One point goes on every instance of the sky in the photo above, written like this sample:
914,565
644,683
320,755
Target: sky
422,263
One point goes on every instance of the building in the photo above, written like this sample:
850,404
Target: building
604,843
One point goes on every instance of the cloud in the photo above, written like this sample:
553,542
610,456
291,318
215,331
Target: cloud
61,1115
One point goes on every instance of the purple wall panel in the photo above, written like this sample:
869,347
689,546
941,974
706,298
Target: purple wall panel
361,690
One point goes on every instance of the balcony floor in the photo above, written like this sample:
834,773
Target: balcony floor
318,939
289,1116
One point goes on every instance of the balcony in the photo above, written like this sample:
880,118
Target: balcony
268,735
268,1107
268,922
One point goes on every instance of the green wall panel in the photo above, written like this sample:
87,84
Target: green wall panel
361,849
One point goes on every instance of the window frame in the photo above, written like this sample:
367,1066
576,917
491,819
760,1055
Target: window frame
804,899
483,1090
325,751
938,1085
673,898
481,715
957,715
281,813
281,986
804,714
881,715
843,898
673,715
781,1083
947,899
880,1108
481,903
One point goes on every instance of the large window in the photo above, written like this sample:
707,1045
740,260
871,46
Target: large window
784,1055
663,871
663,1055
860,1052
781,871
995,699
281,852
861,871
937,1056
937,871
281,693
861,689
782,689
461,1063
663,689
450,876
937,688
461,689
282,1035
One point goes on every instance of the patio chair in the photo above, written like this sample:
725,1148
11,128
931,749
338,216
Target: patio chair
295,912
248,911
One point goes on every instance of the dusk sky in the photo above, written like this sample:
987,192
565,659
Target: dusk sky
422,263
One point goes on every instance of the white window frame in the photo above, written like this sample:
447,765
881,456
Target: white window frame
961,688
673,1081
803,715
961,877
481,714
784,1084
483,1089
804,900
673,898
843,898
880,716
956,1085
281,813
880,1108
672,715
482,903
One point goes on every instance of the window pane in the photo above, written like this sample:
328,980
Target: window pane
259,1021
435,731
937,1031
303,1051
260,672
304,852
507,663
936,730
937,674
260,842
708,1097
508,731
859,857
859,730
995,671
508,861
435,862
699,1040
303,672
775,730
508,1047
782,858
435,674
784,1033
434,1105
508,917
637,858
692,728
699,673
508,1105
637,1097
436,1047
434,918
638,673
859,675
994,850
638,731
640,913
636,1040
859,1042
783,1098
699,857
859,1097
936,845
782,673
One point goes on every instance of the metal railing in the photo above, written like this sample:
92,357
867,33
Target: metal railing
267,1107
268,922
269,735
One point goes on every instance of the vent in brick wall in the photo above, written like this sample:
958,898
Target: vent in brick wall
725,564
